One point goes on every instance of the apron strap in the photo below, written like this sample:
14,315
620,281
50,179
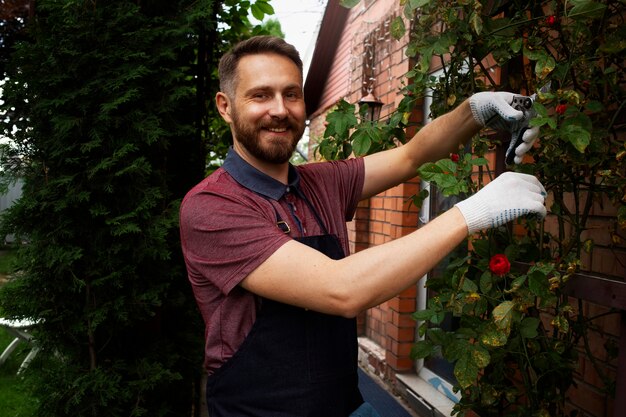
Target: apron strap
284,226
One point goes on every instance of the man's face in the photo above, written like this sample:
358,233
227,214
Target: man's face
268,111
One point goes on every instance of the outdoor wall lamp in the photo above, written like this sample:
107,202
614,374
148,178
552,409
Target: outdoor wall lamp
374,106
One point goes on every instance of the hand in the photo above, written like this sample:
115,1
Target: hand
495,110
506,198
521,141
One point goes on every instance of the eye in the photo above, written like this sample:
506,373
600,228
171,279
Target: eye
292,95
260,96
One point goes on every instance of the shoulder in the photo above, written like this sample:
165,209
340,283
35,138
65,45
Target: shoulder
344,169
219,186
219,197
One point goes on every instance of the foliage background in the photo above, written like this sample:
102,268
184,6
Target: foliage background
108,109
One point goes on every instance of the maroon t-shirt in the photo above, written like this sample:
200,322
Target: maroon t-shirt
229,227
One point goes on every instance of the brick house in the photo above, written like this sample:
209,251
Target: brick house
355,55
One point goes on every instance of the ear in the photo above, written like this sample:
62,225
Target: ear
223,106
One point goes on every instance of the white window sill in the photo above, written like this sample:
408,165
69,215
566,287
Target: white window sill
423,397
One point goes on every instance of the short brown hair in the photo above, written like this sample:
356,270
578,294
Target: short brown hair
227,70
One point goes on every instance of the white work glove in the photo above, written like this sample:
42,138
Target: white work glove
497,110
506,198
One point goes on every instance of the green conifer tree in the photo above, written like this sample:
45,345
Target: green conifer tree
107,105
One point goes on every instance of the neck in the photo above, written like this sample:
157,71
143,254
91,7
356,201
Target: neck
280,172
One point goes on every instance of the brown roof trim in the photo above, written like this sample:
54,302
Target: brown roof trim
331,28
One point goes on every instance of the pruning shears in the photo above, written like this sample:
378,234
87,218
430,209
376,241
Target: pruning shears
525,105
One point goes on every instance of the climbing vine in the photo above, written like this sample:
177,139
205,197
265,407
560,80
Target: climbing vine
517,338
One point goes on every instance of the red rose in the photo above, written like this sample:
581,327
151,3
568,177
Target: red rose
499,264
560,109
454,157
550,20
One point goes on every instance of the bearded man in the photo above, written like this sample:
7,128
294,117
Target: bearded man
266,243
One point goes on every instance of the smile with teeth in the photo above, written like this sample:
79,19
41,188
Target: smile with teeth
277,129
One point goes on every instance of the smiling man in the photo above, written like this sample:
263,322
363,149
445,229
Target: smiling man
266,244
264,105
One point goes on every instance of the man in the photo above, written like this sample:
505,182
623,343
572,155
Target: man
266,245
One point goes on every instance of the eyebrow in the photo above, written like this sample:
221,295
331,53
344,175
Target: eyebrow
268,87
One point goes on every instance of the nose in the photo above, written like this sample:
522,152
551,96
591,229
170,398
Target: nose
278,108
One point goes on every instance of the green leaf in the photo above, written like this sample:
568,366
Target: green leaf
512,252
482,247
257,12
594,106
425,314
585,9
516,284
479,161
455,349
412,50
439,337
422,349
561,324
443,43
466,370
348,4
419,198
469,285
458,262
397,28
340,121
516,45
476,22
501,27
528,327
544,66
361,141
579,137
503,314
265,7
534,54
442,173
494,337
438,317
480,356
427,54
538,283
415,4
486,282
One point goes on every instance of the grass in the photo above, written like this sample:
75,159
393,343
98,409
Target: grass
15,400
7,259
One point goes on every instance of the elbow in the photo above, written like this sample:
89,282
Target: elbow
350,313
347,305
345,294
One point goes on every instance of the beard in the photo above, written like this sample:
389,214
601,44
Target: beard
274,150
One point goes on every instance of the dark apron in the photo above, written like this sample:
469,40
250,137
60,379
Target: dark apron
293,363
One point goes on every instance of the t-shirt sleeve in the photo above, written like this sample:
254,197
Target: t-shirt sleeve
225,236
337,184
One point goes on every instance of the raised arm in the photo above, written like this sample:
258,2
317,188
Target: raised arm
434,141
445,134
298,275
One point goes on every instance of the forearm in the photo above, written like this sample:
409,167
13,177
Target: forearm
379,273
443,135
299,275
434,141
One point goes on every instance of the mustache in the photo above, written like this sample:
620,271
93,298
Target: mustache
277,125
